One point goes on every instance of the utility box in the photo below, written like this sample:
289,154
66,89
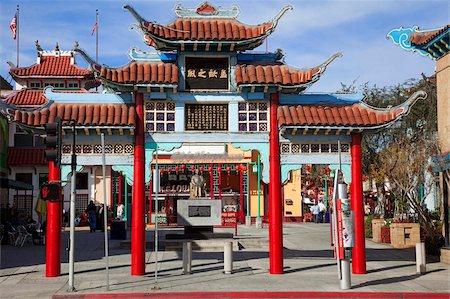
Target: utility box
118,230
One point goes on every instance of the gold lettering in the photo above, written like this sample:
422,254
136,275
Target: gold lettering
223,74
201,73
191,73
212,73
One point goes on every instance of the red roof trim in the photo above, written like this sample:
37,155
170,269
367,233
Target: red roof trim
52,66
356,115
26,156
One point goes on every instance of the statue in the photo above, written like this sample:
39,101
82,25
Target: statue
197,186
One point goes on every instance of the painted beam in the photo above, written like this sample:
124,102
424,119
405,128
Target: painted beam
315,159
97,160
205,137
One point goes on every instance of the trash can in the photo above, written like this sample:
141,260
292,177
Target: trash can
118,230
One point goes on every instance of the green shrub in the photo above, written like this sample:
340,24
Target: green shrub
368,226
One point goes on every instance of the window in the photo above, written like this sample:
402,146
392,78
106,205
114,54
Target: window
73,85
253,117
313,148
160,116
55,84
26,178
35,84
82,181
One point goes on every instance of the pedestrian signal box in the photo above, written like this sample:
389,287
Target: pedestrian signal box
50,191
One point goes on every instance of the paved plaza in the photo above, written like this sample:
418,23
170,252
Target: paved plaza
309,267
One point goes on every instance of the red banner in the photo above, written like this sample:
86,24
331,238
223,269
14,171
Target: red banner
229,219
339,245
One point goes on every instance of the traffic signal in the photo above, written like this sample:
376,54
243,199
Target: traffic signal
53,141
50,191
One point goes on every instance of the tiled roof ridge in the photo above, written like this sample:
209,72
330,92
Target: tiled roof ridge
26,96
357,114
146,72
85,114
48,65
421,38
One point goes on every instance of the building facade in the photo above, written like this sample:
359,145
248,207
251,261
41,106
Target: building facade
204,101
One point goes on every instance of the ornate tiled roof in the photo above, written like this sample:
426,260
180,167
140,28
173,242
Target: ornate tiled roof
52,66
206,24
423,37
33,97
29,97
142,73
83,114
358,115
273,74
431,43
25,156
346,115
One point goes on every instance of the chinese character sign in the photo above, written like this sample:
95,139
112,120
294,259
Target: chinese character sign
206,117
206,73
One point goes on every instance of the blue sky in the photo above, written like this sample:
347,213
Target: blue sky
309,34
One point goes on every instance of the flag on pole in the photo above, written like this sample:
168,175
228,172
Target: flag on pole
94,28
13,26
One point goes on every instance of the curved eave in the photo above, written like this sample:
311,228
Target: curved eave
162,44
318,71
400,111
438,46
133,86
25,77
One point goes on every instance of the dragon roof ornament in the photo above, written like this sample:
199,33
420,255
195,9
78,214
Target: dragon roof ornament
206,10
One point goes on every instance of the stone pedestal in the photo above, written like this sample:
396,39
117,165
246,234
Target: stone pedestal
248,221
258,223
199,212
376,229
405,235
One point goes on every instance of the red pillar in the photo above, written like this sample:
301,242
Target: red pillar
138,203
241,196
359,250
53,235
220,181
275,213
211,183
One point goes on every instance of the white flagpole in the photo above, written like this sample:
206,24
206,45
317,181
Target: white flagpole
105,210
17,35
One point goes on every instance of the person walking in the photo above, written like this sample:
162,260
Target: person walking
315,212
322,210
92,214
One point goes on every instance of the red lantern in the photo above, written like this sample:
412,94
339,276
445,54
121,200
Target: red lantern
244,168
237,168
219,169
169,170
307,168
177,168
192,167
210,169
161,171
183,167
201,168
228,169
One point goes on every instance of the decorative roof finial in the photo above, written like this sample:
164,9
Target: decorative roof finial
75,46
57,47
38,46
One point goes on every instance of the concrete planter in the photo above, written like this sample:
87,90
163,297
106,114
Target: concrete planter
405,235
376,229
